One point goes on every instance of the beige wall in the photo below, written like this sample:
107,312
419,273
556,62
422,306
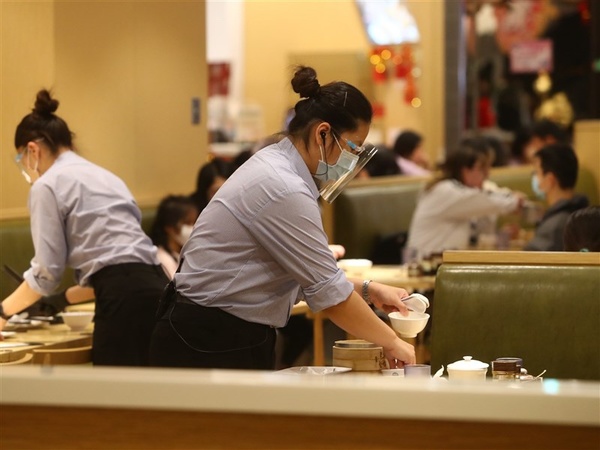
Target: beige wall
125,73
27,63
587,146
277,30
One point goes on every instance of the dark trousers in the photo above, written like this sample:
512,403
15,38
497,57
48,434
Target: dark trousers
190,335
126,302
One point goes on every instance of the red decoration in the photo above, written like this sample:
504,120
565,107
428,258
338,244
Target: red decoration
378,110
400,61
218,79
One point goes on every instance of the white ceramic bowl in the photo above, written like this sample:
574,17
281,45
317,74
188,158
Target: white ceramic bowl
355,266
408,326
77,320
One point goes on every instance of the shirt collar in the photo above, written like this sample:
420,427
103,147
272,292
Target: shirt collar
299,165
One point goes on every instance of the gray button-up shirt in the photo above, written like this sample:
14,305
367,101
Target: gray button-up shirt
82,216
260,245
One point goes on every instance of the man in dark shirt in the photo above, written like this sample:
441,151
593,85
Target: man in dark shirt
554,180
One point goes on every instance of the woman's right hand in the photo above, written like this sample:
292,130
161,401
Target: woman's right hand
400,354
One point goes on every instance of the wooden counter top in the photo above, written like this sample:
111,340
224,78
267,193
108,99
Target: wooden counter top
108,408
349,394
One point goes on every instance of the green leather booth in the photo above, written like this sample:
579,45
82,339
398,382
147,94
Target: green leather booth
368,210
16,249
543,307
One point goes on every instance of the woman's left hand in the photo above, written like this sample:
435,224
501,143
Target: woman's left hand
388,298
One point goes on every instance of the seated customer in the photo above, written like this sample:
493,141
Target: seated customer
582,231
382,164
410,155
172,226
211,177
544,132
554,180
448,208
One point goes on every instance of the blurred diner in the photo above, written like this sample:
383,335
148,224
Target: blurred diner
211,177
554,178
582,230
410,154
453,200
172,227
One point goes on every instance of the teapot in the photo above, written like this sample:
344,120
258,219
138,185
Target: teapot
467,369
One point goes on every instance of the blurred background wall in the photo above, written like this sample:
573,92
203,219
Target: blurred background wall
125,74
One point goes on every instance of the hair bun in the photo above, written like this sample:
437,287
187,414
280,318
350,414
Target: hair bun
305,82
45,105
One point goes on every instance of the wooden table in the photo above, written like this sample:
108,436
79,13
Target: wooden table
391,275
47,336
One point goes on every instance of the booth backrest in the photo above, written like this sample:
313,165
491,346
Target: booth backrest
543,307
16,249
368,210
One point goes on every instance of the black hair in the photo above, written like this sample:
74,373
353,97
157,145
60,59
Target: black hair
521,139
218,167
560,160
42,123
466,156
546,128
338,103
171,210
383,163
499,150
406,143
582,230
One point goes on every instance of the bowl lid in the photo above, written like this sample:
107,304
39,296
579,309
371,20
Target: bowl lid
355,343
416,302
468,363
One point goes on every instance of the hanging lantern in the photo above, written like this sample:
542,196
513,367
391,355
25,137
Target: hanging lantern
377,60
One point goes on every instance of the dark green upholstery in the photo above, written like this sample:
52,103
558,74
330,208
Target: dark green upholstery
362,213
16,249
549,315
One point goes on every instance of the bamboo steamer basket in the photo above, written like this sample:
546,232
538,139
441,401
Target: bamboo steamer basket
359,355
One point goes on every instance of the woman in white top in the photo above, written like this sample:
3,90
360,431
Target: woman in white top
259,246
83,216
172,227
452,202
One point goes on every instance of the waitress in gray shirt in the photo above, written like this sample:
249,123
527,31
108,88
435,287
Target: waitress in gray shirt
84,217
259,246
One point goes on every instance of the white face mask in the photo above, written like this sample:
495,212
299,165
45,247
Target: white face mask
345,164
184,234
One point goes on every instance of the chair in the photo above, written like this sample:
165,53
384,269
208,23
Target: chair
539,306
62,356
25,359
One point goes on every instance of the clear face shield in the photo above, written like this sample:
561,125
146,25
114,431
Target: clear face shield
329,190
30,174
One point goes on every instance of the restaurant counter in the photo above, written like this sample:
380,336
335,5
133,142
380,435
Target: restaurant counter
87,407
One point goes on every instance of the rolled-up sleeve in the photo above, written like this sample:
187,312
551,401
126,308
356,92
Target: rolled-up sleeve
290,228
49,241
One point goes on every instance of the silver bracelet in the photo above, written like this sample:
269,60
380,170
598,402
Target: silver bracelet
365,291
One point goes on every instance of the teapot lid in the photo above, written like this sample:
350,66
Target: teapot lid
468,363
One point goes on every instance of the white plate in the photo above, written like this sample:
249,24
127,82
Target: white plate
7,333
316,370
